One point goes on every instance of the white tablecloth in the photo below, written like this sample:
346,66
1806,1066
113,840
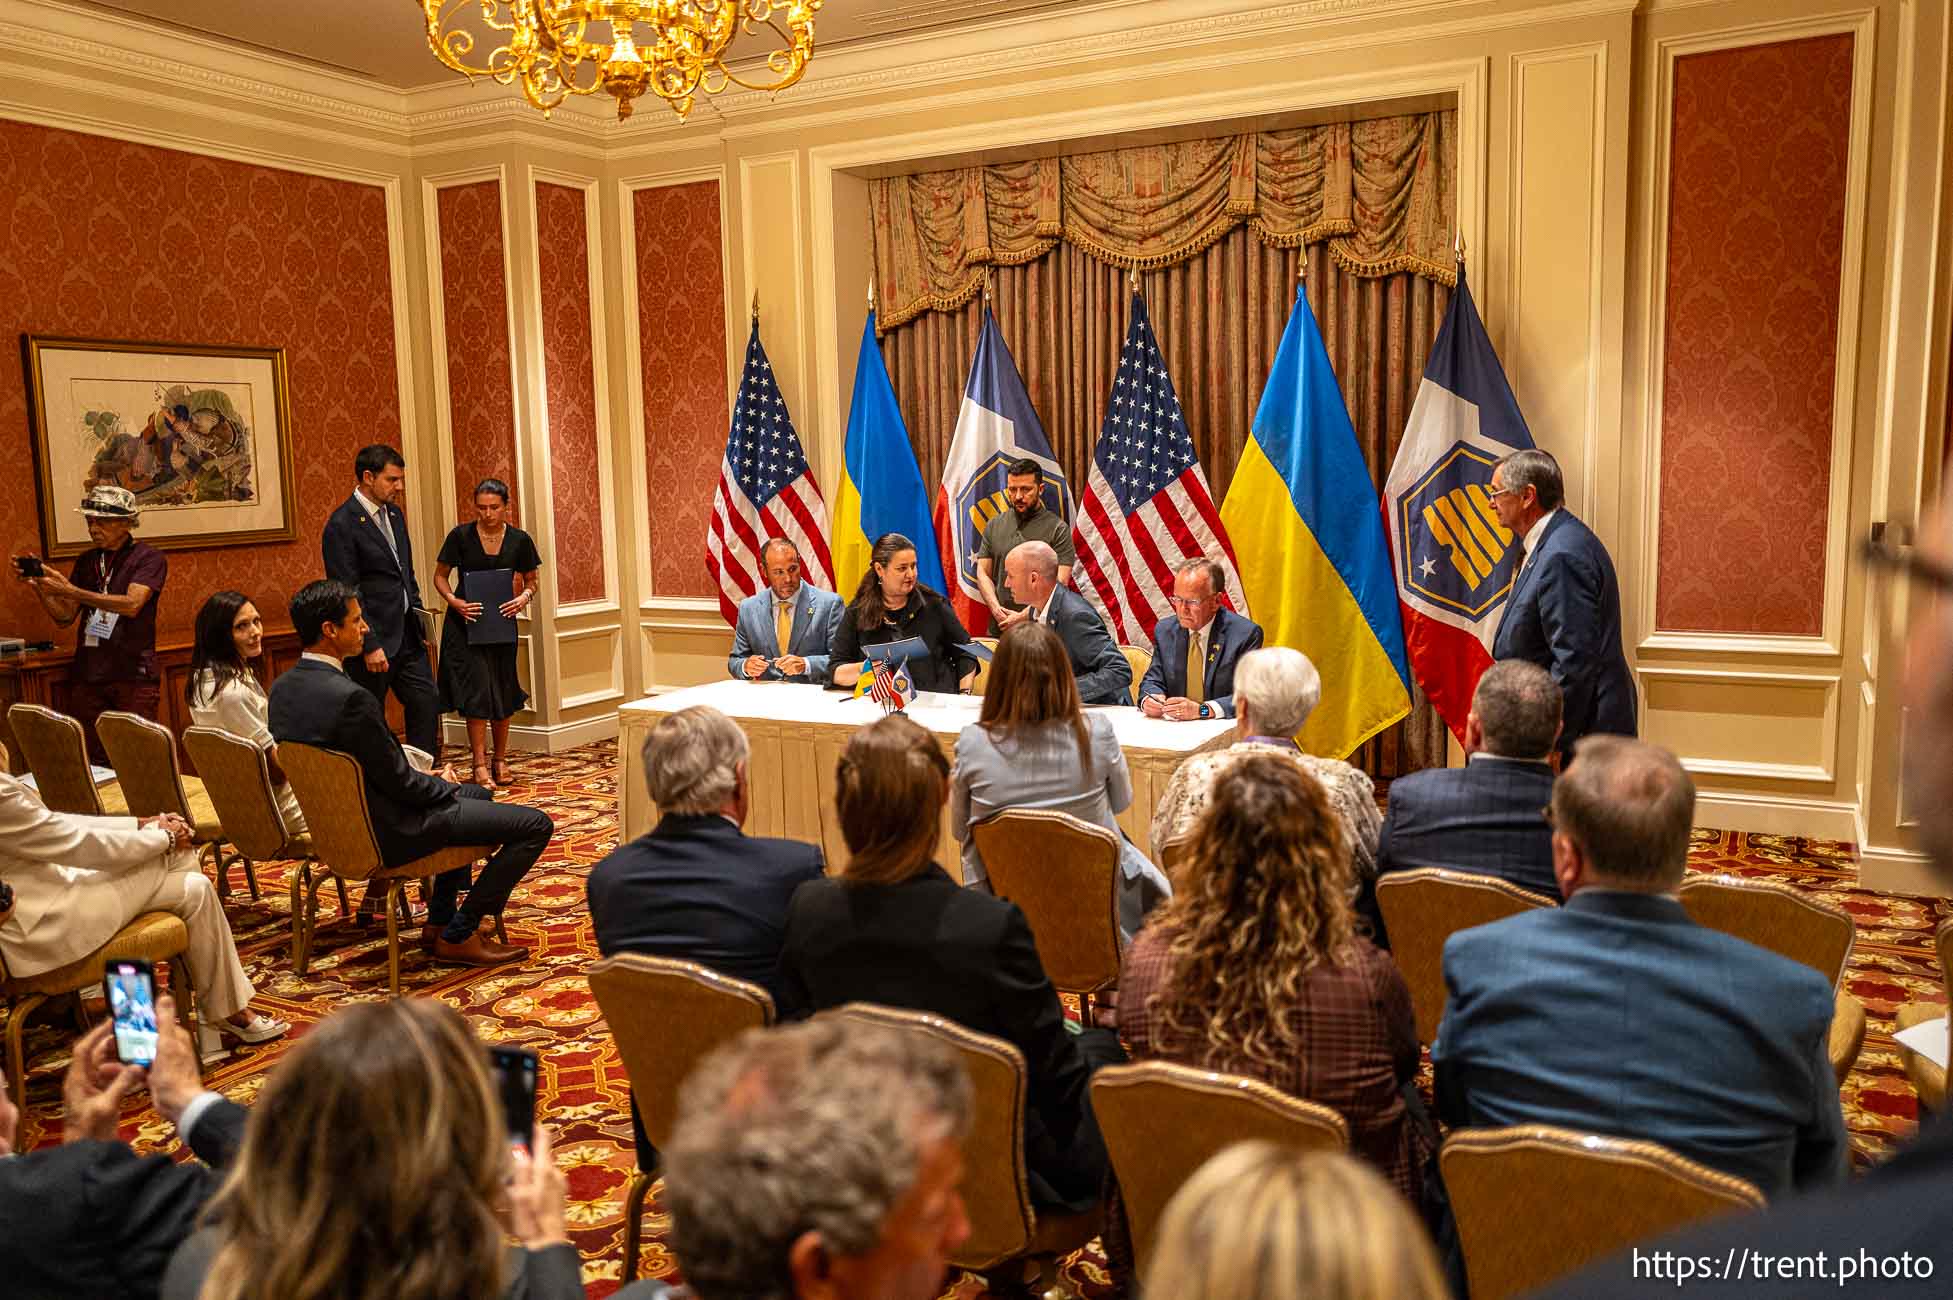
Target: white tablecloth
797,734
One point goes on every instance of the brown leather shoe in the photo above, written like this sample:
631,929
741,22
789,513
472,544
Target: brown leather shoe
430,935
476,951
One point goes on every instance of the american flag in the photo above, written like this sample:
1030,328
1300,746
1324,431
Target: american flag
765,490
892,687
1146,506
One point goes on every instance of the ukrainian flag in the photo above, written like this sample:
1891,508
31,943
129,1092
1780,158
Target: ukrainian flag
1315,567
881,488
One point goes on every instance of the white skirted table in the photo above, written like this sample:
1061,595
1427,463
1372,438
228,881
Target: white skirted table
797,732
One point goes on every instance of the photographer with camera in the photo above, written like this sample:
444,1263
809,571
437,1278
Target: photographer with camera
112,590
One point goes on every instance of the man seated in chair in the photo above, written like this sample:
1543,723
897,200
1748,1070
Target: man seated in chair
1196,648
820,1161
697,887
1616,1014
1489,815
1104,676
414,813
76,880
786,627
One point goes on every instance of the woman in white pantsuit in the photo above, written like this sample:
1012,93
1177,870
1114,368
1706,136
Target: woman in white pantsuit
78,879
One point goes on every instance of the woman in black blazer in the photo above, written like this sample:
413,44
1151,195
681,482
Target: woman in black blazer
894,928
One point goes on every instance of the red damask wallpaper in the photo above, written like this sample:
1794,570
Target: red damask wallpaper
682,354
106,239
1755,243
475,307
568,370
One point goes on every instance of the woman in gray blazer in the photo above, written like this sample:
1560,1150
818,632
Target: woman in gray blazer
1033,746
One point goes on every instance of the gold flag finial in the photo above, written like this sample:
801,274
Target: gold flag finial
1458,245
756,306
871,291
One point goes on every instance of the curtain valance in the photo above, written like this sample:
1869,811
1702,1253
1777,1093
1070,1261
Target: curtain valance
1379,192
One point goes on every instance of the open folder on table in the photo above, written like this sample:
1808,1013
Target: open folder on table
493,588
896,652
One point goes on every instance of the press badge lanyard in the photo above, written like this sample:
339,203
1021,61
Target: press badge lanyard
101,623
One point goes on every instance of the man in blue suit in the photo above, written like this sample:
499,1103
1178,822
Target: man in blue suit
1104,676
1564,613
697,887
1200,632
784,631
1487,816
1618,1015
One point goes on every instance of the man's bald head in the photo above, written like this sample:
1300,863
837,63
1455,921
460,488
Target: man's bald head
1032,568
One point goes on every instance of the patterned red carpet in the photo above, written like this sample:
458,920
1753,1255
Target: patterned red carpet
545,1004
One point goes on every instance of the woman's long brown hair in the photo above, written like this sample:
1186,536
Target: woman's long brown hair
371,1167
889,789
1264,899
1031,683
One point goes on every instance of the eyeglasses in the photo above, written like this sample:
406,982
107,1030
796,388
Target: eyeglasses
1494,491
1181,602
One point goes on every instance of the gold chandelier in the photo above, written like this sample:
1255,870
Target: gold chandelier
673,48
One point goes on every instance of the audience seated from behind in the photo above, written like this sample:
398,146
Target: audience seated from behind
79,879
376,1164
785,629
1264,1222
819,1161
1275,691
894,928
1104,675
1255,968
696,887
223,692
1616,1014
1034,747
1899,1214
1196,648
414,813
1489,815
91,1217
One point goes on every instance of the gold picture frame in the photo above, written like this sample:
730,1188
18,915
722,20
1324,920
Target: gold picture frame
201,435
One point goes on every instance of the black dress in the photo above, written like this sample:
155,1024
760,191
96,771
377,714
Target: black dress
479,681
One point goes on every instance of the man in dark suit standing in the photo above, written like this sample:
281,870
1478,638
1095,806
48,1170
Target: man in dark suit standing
1104,676
90,1217
1616,1014
1196,648
414,813
1564,613
697,887
365,546
1489,815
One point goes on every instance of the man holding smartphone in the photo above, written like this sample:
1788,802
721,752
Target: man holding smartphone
112,591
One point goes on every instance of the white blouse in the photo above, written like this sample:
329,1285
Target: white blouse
240,708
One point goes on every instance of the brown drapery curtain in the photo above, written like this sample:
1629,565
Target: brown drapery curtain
1219,231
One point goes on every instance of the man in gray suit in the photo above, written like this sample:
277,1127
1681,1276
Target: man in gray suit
1104,676
1616,1014
784,630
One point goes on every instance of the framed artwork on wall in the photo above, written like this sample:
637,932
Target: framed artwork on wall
201,435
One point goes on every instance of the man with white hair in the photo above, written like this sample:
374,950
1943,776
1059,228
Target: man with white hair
1275,691
697,887
1104,676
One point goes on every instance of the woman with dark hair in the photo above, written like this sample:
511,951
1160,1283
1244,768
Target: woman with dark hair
891,605
223,690
1034,746
479,681
894,928
374,1167
1255,967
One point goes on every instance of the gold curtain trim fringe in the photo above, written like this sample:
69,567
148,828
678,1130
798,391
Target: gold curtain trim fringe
1376,269
929,302
1327,228
1128,261
1031,254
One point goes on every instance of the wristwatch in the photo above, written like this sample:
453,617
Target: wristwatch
1205,713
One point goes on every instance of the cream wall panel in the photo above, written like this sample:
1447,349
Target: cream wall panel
1778,727
685,647
590,667
772,223
1553,349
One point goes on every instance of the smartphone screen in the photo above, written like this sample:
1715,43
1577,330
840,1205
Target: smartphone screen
29,565
130,986
514,1069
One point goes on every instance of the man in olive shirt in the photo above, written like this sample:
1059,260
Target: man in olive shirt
1026,521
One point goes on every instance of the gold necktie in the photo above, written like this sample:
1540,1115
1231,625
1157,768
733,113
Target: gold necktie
1196,670
783,623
